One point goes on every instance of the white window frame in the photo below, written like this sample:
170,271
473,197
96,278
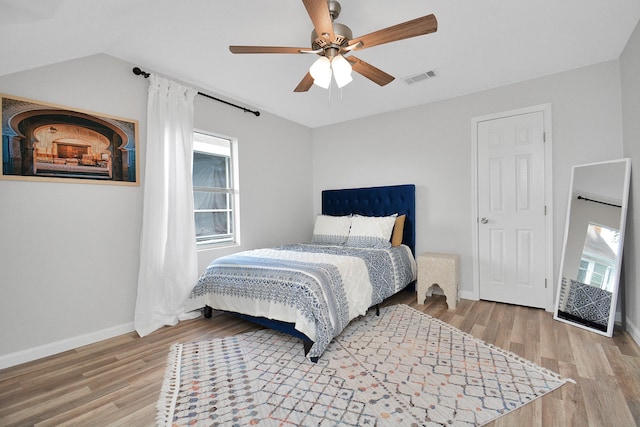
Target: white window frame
232,237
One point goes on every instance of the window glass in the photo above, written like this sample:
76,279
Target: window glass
213,190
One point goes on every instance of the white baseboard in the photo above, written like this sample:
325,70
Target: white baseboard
24,356
634,331
467,295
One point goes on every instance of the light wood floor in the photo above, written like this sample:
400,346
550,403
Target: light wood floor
117,381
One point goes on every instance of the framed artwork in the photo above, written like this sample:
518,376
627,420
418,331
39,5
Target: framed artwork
61,144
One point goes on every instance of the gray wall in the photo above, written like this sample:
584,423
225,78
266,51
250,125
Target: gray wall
430,146
630,82
69,252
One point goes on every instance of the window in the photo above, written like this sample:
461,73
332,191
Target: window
213,189
598,262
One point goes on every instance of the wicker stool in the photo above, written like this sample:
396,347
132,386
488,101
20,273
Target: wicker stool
438,269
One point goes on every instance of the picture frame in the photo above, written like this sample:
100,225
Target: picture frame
47,142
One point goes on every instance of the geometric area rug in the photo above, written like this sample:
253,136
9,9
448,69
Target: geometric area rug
401,368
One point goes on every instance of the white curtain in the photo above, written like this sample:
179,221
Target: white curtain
168,259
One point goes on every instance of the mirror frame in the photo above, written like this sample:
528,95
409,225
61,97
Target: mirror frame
616,284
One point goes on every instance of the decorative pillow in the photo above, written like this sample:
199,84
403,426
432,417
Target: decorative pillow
371,231
398,231
332,230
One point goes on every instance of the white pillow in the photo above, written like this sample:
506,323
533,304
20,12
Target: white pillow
371,231
332,230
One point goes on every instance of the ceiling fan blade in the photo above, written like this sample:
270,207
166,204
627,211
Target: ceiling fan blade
416,27
374,74
318,11
266,49
305,84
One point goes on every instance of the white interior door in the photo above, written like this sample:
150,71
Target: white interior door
512,225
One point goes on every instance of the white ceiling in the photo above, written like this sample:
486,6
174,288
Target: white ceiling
478,45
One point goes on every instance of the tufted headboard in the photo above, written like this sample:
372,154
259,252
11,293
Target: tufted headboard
376,201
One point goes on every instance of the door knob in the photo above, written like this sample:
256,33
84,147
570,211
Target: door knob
484,220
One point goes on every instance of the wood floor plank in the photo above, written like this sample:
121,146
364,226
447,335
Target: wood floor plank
548,347
88,417
627,371
470,318
604,403
29,415
118,381
625,343
564,351
589,356
519,329
485,312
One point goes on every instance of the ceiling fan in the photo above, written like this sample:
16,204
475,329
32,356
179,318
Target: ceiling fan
334,43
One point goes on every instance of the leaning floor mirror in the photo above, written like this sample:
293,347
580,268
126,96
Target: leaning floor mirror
593,242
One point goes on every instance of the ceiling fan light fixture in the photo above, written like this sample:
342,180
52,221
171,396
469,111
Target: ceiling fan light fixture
321,72
341,71
329,39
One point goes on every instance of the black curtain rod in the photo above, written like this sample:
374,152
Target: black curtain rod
138,72
598,201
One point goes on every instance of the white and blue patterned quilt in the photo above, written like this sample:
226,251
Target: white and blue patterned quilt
319,288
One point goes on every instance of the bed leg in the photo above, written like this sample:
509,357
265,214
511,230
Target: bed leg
307,346
207,311
377,309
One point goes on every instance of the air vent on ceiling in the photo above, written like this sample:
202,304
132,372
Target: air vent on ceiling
420,77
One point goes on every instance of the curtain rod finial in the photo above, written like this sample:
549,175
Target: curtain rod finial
137,71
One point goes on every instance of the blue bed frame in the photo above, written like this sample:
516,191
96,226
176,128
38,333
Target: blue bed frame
369,201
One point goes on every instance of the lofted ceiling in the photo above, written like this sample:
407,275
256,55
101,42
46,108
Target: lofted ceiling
478,46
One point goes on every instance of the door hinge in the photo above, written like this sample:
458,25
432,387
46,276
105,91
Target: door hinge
544,137
545,283
545,210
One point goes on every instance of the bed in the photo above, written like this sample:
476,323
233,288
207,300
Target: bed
313,290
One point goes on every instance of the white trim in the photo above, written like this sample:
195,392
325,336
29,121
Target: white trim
548,196
30,354
633,331
467,295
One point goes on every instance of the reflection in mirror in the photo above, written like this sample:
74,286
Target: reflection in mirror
599,257
594,236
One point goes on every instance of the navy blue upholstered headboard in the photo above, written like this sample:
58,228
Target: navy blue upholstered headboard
376,201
